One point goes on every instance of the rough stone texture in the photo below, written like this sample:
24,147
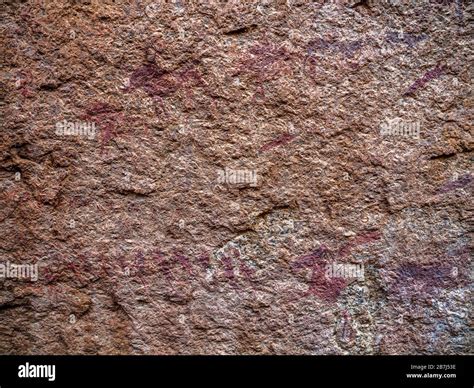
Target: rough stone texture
143,247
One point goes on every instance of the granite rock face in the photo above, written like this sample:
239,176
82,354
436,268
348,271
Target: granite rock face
261,177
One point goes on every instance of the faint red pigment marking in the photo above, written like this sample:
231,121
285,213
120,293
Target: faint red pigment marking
260,93
49,276
420,82
281,140
83,270
105,268
10,194
108,119
26,92
184,261
153,80
244,268
359,240
229,267
73,267
463,181
157,82
319,285
81,267
165,266
264,61
86,266
204,260
24,79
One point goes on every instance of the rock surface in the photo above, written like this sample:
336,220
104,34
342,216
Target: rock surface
261,177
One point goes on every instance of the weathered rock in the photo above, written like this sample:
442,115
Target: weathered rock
266,177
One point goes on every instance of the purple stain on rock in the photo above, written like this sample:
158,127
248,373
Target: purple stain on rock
319,44
418,280
431,275
231,260
165,266
463,181
406,38
264,61
204,260
319,285
145,75
154,82
184,261
428,76
228,268
157,82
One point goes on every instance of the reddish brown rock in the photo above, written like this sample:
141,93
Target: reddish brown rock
284,177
